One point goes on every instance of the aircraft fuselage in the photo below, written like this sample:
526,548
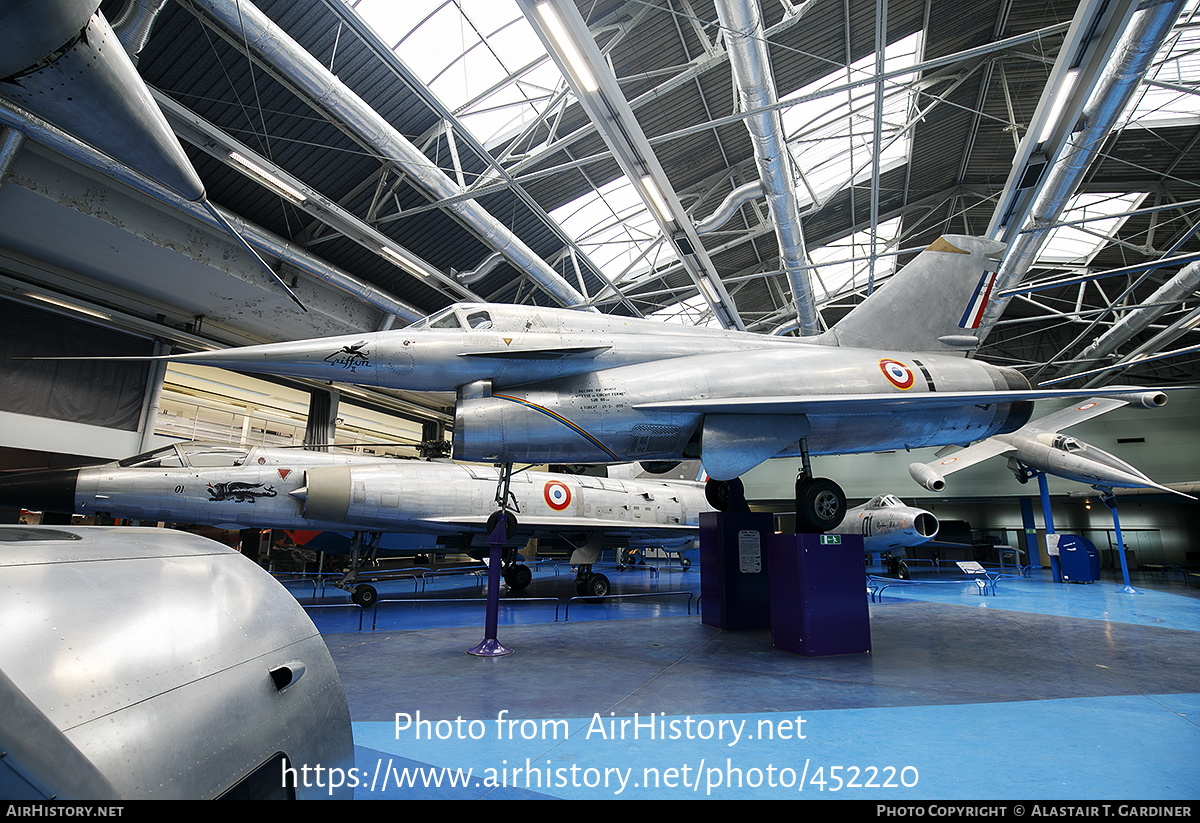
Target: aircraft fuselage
295,489
616,415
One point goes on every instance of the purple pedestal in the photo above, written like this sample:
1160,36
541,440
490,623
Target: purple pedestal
734,590
490,646
819,594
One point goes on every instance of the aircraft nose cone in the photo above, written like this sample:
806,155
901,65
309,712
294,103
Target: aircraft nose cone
52,490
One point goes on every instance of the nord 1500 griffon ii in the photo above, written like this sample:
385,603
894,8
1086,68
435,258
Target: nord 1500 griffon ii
540,385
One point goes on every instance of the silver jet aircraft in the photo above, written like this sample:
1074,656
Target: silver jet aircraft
538,385
1040,447
262,487
888,526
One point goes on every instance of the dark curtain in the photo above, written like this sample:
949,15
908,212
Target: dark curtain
98,393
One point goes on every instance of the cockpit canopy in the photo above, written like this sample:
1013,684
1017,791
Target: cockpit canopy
188,455
1067,444
456,317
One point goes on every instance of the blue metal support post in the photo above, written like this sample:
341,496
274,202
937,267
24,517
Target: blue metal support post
1044,490
1110,500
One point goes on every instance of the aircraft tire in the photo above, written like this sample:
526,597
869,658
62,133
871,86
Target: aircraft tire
365,596
724,495
821,504
510,524
598,586
685,562
518,577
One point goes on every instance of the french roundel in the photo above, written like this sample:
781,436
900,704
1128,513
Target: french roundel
898,374
558,495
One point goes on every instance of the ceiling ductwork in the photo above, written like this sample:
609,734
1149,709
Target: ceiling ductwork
1167,297
52,137
1120,78
746,42
729,206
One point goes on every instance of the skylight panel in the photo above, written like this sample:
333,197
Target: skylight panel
694,311
480,57
1077,245
831,138
844,265
615,229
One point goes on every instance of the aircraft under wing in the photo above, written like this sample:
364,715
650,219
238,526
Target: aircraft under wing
840,404
964,458
1038,447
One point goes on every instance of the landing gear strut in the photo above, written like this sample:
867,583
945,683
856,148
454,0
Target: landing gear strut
820,503
361,594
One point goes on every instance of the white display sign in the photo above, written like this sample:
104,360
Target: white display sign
749,552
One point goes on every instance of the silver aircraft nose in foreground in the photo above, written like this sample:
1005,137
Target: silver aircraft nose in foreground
538,385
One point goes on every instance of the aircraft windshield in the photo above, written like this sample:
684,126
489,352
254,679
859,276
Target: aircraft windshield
159,458
214,456
192,454
444,319
1067,444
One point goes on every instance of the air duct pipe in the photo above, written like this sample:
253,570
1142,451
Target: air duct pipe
73,149
729,206
1131,59
747,45
1175,290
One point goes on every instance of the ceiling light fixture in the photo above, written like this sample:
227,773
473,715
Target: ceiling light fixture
1060,99
400,260
69,306
656,198
267,178
566,44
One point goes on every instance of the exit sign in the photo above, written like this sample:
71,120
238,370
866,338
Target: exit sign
831,540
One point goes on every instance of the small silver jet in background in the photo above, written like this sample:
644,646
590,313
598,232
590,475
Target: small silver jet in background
1040,447
888,526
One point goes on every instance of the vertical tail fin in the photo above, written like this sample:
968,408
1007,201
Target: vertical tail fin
933,304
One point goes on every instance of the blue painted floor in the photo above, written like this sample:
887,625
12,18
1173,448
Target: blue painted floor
1042,691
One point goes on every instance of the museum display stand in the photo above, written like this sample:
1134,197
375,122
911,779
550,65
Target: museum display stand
807,589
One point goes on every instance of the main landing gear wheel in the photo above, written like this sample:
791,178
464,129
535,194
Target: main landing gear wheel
726,495
597,586
510,524
897,568
820,505
364,595
518,576
591,584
